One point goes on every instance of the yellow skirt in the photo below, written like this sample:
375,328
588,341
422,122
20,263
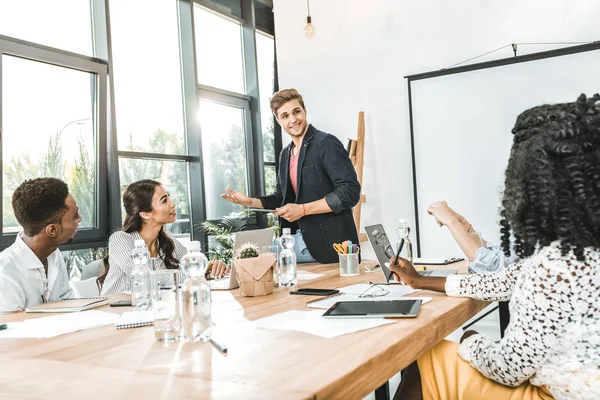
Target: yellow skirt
446,376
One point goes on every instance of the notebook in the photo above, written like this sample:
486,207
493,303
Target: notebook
69,305
135,319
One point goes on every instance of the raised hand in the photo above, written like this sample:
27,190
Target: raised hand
443,214
236,197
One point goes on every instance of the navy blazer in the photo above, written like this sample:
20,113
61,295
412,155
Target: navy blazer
324,171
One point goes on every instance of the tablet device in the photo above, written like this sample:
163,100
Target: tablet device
374,309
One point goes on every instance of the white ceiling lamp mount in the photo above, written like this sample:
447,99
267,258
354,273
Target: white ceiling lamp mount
309,29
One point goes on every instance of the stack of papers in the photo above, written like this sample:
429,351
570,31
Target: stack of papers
48,327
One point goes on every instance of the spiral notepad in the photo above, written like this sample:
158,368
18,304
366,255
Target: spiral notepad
69,305
135,319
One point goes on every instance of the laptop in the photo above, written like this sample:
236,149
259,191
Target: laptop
384,252
259,237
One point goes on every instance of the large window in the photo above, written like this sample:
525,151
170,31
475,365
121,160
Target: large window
53,113
219,54
224,149
223,109
149,110
174,91
52,119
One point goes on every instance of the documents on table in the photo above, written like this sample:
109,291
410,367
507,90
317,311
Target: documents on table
352,293
56,325
313,323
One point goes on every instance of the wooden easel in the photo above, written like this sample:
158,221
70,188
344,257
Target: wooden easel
357,155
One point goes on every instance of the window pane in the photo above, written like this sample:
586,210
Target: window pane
48,130
219,51
270,179
64,24
265,54
233,7
263,14
76,260
224,155
173,175
148,89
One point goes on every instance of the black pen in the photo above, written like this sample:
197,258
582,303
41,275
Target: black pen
221,348
400,246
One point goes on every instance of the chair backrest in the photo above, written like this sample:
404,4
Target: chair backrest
85,288
93,270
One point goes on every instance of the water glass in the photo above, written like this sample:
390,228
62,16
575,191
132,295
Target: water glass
166,305
349,264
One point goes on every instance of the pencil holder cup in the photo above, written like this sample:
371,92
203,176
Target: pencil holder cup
349,264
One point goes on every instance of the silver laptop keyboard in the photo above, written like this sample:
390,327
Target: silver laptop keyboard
425,273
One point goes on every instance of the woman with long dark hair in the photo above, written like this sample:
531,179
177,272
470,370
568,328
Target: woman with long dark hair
148,208
551,208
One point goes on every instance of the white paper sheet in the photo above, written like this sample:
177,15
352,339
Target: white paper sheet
351,293
313,323
56,325
395,290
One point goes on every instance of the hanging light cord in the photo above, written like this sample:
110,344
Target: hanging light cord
308,7
508,45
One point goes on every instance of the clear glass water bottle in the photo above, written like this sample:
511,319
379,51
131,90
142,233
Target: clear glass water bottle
403,232
288,275
140,277
196,296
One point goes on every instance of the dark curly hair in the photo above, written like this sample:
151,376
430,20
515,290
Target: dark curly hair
39,202
552,184
137,198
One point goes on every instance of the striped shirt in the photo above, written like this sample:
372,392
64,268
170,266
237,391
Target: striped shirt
120,246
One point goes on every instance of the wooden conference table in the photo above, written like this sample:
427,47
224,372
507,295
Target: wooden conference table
106,363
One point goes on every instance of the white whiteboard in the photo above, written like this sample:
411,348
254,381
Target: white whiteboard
462,135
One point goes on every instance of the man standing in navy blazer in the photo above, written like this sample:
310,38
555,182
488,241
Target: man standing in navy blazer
316,182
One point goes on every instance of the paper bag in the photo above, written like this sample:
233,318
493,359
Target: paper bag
255,275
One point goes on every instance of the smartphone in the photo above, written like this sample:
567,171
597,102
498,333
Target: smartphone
121,303
315,292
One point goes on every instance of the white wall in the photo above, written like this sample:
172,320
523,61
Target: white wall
363,49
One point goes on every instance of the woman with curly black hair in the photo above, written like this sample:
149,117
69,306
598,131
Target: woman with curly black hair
551,207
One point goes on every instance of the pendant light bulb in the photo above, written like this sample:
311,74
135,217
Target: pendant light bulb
309,29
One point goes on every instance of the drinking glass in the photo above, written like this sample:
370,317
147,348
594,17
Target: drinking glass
166,305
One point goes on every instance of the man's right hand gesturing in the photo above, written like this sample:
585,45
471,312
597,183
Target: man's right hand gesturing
236,197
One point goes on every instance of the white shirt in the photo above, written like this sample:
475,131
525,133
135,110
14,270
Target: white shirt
23,281
553,337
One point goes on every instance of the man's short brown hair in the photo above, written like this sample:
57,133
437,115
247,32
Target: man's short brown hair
282,97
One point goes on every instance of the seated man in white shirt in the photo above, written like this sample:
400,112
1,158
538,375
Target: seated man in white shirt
32,270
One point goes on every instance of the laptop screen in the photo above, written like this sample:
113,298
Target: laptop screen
381,246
